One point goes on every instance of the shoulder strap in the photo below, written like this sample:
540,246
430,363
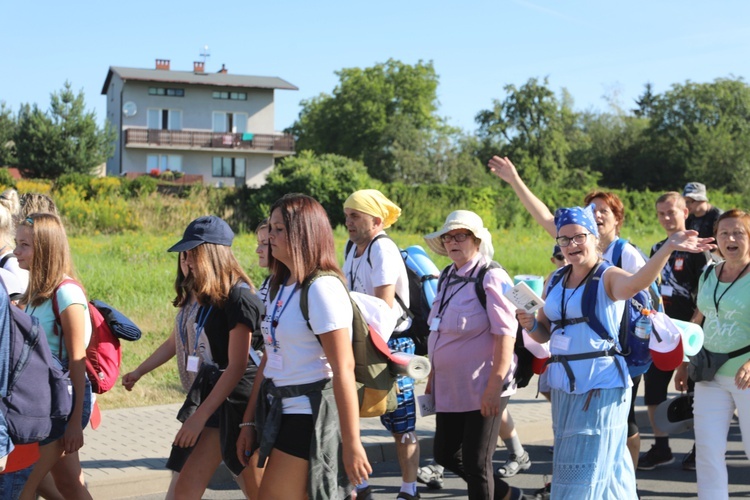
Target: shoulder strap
617,251
304,292
349,245
479,283
443,275
709,267
556,277
55,305
588,301
5,259
369,245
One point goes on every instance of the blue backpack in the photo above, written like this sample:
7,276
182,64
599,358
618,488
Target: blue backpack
38,392
637,357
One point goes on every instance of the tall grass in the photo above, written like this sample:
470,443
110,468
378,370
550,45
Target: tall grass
136,274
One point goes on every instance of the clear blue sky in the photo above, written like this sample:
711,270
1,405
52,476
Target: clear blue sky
593,48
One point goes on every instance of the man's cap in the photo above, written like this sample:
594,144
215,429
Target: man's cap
206,229
695,191
556,251
675,415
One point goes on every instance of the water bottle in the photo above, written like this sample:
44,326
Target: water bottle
643,325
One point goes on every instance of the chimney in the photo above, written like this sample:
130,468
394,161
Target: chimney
162,64
198,67
223,69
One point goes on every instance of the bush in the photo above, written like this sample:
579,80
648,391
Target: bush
6,179
34,186
80,181
141,186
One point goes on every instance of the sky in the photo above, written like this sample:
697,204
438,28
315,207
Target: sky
593,48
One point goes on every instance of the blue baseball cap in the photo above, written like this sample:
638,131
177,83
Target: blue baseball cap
206,229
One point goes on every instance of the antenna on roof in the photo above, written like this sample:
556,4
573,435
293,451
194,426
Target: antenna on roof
205,54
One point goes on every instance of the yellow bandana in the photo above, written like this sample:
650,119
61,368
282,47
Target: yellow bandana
373,202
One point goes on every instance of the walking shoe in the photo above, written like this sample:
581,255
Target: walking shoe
688,463
655,457
405,496
543,493
431,476
514,465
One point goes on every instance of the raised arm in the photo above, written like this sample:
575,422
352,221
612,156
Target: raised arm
621,285
504,168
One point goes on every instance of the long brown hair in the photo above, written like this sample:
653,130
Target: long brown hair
51,262
182,284
309,240
215,272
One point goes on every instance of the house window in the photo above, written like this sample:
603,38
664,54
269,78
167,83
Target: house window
224,166
224,122
233,96
166,91
164,162
164,119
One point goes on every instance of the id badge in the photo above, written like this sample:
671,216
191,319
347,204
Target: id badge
679,264
434,324
274,361
666,291
192,364
560,343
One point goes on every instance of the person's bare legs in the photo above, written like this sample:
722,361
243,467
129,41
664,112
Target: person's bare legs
200,466
67,474
285,477
251,478
407,451
634,447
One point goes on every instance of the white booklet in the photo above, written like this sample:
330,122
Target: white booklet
523,297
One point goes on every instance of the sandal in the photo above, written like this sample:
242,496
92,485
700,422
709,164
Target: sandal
514,465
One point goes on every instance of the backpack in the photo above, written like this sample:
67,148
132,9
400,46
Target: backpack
419,302
654,289
38,392
376,384
104,353
524,362
637,364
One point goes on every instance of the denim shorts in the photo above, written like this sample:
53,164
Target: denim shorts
59,426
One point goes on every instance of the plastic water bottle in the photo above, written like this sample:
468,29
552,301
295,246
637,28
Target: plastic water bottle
643,325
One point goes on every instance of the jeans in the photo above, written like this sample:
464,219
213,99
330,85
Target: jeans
464,444
713,408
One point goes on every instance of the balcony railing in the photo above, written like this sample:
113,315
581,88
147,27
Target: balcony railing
187,139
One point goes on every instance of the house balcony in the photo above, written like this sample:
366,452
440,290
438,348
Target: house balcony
279,145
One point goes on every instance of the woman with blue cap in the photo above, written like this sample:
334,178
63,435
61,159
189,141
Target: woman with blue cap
588,380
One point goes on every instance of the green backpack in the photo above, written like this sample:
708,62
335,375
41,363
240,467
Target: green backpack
376,384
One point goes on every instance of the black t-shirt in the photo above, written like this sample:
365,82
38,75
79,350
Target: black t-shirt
680,282
242,306
705,224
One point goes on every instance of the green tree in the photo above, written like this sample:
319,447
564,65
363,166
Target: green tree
701,131
328,178
65,139
372,113
537,130
7,133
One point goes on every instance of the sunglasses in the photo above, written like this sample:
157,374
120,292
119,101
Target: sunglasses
559,257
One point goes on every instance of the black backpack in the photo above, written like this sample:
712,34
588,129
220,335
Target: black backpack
419,308
38,392
524,366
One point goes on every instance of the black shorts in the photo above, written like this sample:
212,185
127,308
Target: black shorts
295,435
656,385
632,425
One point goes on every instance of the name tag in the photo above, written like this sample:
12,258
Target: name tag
192,364
666,291
560,343
434,324
679,263
274,361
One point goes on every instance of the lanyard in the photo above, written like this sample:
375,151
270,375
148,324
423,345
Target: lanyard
203,314
563,302
716,288
458,279
280,303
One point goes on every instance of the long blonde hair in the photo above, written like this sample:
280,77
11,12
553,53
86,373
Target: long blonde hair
51,262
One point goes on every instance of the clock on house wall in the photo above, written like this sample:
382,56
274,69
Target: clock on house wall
129,109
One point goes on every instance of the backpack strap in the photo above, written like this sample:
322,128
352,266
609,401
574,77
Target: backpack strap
478,280
709,267
556,277
57,325
305,290
588,301
5,259
617,251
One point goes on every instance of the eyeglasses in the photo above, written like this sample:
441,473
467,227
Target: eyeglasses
578,239
458,237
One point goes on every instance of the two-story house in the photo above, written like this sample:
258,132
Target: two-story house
217,125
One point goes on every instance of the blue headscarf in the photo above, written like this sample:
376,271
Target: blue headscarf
577,215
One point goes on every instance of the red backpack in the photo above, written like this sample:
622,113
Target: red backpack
103,354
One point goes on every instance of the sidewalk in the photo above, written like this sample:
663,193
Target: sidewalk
126,456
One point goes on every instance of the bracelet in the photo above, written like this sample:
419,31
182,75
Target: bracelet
533,328
247,424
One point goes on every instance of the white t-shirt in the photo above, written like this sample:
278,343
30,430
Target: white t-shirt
293,353
21,275
632,260
388,268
